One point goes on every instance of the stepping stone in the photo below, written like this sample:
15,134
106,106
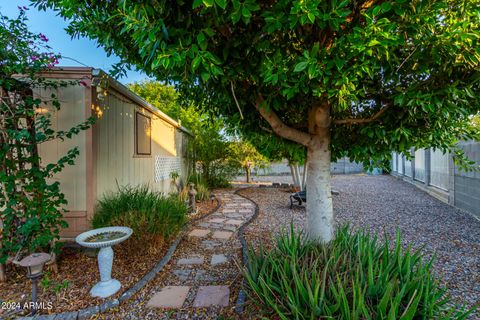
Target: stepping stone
222,234
199,233
171,297
245,210
191,260
229,210
234,222
212,296
234,215
204,224
218,259
202,275
230,228
209,244
182,274
216,220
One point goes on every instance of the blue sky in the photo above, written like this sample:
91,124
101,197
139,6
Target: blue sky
83,50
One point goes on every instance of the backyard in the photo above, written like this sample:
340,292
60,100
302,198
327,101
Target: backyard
381,204
297,159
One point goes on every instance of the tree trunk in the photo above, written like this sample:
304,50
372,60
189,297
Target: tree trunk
320,221
319,199
292,171
297,176
304,177
248,173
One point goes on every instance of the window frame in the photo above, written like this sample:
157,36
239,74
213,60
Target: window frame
149,119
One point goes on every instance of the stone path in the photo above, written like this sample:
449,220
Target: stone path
202,279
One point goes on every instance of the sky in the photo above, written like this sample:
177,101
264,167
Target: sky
83,50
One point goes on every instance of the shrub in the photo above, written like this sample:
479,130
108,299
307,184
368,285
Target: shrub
147,213
201,186
352,277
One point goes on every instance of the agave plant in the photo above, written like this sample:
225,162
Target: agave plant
355,276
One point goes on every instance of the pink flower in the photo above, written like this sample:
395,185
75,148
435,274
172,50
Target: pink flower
34,58
43,37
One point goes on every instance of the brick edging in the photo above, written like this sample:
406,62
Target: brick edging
239,305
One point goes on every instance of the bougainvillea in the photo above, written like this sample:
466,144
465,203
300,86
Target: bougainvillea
32,203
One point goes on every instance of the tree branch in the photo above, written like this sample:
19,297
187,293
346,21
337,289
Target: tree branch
281,128
362,120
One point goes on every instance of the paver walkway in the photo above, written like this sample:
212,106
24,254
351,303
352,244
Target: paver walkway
202,278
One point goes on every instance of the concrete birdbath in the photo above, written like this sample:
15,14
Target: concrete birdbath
104,238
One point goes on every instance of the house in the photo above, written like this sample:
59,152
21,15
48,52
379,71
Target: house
131,143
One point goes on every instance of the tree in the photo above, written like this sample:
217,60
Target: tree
246,157
32,204
356,78
162,96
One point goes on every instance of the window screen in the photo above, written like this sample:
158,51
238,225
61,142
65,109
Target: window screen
143,128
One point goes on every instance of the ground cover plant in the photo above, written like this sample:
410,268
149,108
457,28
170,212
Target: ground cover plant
353,277
148,213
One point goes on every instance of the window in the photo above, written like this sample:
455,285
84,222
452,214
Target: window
143,139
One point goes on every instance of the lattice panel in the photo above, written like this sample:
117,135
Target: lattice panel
166,165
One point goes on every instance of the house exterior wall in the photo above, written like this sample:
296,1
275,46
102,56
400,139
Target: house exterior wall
107,150
73,179
116,163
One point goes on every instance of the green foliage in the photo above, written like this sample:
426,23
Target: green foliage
409,70
245,156
353,277
201,186
207,148
203,192
162,96
49,285
146,212
32,203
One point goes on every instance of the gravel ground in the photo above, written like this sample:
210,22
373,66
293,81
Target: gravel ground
383,204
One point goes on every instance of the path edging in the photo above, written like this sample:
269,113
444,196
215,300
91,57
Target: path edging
239,305
88,312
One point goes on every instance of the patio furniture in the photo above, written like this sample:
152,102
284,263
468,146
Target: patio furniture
299,197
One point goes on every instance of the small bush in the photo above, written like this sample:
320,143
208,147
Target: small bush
147,213
352,277
201,186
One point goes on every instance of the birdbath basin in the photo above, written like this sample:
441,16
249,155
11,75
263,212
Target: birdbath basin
104,238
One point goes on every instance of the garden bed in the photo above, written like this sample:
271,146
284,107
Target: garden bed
68,290
383,204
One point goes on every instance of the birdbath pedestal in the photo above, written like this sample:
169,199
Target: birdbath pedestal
104,238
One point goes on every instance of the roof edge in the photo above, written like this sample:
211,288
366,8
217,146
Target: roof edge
139,100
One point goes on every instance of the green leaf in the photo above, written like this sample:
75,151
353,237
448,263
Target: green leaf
208,3
221,3
311,17
197,3
205,76
300,66
196,63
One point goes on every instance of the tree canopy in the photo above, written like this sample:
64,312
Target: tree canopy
356,78
397,73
